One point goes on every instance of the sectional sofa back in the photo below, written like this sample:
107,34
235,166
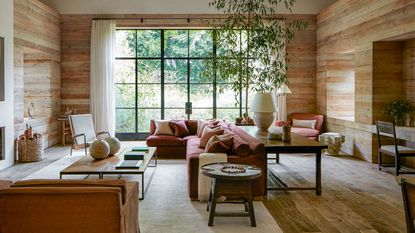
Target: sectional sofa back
257,148
191,126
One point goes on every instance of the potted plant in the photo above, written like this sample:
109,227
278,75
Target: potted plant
250,45
399,109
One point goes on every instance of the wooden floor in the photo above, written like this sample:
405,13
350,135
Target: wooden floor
356,196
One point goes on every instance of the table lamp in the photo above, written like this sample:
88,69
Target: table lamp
263,107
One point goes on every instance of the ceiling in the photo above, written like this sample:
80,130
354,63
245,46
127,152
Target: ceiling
163,6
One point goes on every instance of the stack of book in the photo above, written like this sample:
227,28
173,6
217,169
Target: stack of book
133,158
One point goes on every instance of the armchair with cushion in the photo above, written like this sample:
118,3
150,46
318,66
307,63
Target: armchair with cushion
311,131
67,206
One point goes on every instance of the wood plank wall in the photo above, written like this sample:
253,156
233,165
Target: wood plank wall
351,26
75,40
37,33
409,69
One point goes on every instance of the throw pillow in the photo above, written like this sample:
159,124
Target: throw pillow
163,127
240,146
304,123
180,128
207,134
200,127
219,144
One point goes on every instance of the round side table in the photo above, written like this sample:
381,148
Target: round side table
334,142
235,186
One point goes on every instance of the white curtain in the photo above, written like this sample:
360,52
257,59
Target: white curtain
279,99
102,97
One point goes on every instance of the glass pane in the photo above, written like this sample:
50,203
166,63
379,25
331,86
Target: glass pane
196,72
202,114
175,114
149,95
175,95
229,42
201,96
125,95
144,116
125,43
229,66
175,71
227,114
149,42
226,97
125,121
124,71
175,43
149,71
201,43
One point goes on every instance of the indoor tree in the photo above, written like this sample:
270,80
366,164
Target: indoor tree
251,44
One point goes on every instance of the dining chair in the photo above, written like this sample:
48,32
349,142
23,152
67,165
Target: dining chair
82,128
387,129
408,194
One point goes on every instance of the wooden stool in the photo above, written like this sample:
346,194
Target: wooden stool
235,186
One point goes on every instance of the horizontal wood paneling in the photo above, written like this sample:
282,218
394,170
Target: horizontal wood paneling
75,40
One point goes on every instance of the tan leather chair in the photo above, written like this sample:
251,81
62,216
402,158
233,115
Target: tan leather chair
69,206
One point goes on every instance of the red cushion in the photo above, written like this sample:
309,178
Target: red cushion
217,147
164,140
240,146
208,133
179,128
192,126
306,132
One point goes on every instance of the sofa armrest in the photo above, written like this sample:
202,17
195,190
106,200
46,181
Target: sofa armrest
5,184
282,123
130,209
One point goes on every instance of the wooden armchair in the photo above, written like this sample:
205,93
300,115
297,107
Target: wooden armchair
387,129
83,131
408,194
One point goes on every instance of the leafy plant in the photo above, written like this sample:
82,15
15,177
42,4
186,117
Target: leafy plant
398,109
251,44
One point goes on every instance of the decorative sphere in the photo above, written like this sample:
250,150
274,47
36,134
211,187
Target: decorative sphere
114,144
99,149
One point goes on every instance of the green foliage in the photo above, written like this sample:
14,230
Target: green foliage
251,44
398,109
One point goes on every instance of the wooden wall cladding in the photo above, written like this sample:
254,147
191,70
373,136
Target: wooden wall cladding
409,68
75,40
351,27
37,59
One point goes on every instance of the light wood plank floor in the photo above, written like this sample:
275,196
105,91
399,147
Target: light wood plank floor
356,196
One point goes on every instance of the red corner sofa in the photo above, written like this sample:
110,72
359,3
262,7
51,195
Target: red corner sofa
306,132
188,147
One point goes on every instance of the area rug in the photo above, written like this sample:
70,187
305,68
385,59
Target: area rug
167,208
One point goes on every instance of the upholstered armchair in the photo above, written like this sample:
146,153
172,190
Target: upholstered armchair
311,131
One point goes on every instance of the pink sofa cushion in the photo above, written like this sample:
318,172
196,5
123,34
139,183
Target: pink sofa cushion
192,126
306,132
308,116
164,140
179,128
193,148
208,133
240,146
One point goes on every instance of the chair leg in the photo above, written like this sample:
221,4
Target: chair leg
277,158
71,149
86,150
379,160
397,164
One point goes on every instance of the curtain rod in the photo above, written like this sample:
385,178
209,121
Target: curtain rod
143,18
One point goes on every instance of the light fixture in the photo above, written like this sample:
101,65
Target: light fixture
263,107
282,91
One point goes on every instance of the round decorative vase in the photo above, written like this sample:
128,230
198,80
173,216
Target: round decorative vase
114,144
99,149
263,120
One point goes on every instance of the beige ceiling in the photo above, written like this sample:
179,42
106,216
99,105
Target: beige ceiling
162,6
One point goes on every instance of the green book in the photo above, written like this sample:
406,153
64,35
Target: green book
140,148
134,155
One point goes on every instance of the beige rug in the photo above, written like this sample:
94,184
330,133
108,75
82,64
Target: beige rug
167,208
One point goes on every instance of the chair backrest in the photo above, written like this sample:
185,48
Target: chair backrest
387,129
82,124
408,194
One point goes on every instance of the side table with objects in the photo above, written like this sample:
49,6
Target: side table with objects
232,181
334,142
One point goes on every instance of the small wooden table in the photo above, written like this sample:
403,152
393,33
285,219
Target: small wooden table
89,166
65,129
298,144
233,186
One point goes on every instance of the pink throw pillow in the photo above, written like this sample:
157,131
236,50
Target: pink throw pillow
240,146
179,128
219,144
207,134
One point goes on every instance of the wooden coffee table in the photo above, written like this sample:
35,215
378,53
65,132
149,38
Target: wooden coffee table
89,166
298,144
234,186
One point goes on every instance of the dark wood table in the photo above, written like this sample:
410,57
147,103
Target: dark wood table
234,186
298,144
